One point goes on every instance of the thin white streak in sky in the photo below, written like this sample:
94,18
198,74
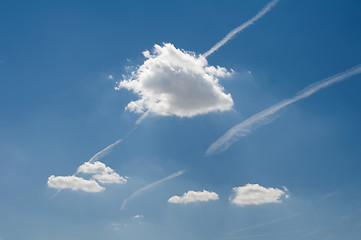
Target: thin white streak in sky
107,150
267,234
104,152
142,118
260,225
151,185
260,14
261,118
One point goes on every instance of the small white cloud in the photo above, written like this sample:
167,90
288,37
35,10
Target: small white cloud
138,216
74,183
101,172
94,168
192,196
108,178
254,194
175,82
110,77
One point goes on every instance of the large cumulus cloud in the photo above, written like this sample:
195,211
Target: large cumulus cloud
173,82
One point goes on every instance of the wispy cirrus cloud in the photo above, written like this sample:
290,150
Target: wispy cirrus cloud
247,126
194,196
254,194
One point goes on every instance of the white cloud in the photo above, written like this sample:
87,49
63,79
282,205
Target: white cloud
254,194
74,183
176,82
192,196
101,172
108,178
110,77
94,168
138,216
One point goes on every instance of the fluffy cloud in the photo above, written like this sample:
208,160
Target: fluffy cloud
94,168
175,82
254,194
74,183
101,172
110,178
192,196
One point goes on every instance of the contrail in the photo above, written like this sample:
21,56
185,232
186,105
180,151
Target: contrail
151,185
268,234
107,150
260,14
142,117
262,224
261,118
104,152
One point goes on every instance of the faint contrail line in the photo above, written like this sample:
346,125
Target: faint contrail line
260,14
151,185
261,224
267,234
104,152
107,150
259,119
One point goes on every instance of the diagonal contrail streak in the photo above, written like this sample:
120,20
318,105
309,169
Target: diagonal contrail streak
261,118
107,150
260,14
104,152
151,185
262,224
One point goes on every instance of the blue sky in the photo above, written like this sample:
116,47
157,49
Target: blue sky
59,107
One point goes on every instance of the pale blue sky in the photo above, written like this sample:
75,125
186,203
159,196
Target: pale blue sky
58,108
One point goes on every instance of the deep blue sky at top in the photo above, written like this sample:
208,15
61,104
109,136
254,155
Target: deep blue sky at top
58,108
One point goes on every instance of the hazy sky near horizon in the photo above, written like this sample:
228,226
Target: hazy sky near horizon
108,109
